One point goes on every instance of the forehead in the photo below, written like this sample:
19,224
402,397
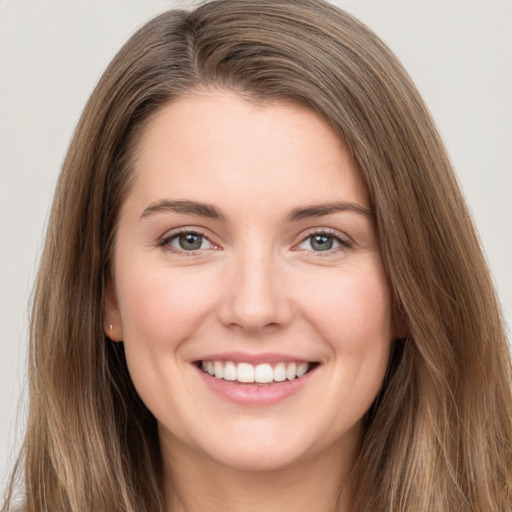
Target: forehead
216,146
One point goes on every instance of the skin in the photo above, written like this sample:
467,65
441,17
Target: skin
256,285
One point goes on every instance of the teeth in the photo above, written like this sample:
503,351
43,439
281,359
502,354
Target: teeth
219,370
229,371
301,369
291,371
280,372
263,373
247,373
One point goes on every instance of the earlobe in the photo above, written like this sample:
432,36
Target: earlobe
113,326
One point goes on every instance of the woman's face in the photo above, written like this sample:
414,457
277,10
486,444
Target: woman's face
246,248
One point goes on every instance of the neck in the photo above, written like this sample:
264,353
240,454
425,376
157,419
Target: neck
194,482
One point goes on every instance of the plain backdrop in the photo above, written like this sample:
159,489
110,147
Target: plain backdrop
459,53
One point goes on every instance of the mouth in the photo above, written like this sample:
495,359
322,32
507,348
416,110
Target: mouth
265,374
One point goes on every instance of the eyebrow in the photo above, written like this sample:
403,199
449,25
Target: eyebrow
212,212
319,210
187,207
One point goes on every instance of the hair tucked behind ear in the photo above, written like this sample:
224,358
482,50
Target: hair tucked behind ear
439,436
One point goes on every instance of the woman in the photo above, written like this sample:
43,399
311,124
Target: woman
260,287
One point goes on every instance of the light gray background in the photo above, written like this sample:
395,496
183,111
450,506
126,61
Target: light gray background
459,53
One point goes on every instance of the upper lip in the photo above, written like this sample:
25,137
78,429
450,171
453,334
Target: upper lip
255,358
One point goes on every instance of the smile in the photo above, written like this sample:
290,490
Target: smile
247,373
256,380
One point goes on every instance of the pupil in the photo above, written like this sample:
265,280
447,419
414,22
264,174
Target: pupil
322,243
190,241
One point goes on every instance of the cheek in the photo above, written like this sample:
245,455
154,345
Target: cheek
357,325
162,306
161,309
353,315
353,309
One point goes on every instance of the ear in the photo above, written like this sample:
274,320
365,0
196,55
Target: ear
113,326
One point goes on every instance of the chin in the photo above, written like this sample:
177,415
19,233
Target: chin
258,459
264,446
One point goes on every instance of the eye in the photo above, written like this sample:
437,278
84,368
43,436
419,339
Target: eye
188,241
320,242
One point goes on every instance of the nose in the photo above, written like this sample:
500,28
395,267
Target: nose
255,298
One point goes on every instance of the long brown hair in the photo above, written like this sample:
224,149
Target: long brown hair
439,436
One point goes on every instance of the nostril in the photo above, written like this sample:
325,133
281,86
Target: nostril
253,298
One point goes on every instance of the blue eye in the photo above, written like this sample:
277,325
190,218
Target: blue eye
320,242
189,241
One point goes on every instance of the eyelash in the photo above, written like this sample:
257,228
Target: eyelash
344,243
166,242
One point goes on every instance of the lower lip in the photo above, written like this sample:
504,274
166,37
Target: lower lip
254,394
